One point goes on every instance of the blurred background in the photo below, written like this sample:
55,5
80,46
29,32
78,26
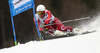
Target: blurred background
24,25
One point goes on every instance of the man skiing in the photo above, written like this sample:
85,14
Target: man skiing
44,18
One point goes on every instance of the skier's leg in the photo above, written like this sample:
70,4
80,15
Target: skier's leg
61,27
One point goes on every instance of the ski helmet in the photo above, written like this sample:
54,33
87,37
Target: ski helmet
40,8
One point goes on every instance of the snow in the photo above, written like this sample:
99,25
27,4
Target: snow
88,43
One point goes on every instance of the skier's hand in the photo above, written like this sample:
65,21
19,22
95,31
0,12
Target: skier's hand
42,25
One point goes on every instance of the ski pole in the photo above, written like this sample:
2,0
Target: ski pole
69,21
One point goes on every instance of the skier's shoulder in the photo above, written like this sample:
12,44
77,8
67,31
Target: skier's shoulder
47,11
37,16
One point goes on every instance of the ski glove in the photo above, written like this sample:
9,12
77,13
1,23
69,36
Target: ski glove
42,25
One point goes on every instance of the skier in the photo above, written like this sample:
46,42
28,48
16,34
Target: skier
44,17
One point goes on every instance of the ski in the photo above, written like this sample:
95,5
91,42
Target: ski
67,35
89,32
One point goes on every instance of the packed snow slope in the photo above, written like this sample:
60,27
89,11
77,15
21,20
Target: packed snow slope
88,43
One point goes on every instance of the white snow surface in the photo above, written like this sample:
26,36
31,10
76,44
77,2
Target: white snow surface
88,43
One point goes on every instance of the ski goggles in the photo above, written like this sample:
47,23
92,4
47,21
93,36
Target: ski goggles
42,12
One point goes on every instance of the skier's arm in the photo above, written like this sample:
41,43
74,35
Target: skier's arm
41,29
48,19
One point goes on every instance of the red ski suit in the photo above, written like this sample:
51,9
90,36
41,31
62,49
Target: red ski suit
50,19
